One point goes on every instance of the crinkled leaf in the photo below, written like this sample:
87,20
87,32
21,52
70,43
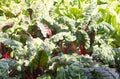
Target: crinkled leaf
104,27
63,36
83,38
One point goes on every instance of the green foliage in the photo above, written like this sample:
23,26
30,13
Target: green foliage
40,59
105,54
83,38
83,67
117,58
104,28
5,66
38,39
111,14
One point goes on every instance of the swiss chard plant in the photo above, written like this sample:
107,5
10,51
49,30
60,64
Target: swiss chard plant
59,39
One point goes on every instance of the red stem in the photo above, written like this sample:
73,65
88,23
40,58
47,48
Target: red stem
4,51
35,32
49,32
28,75
55,52
82,49
66,49
6,55
74,47
92,36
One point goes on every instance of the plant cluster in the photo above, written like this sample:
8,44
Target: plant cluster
59,39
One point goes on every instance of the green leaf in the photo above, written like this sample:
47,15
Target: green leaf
19,68
4,65
102,2
17,1
76,12
44,77
9,14
68,22
104,27
83,38
105,53
25,12
40,59
1,12
68,36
